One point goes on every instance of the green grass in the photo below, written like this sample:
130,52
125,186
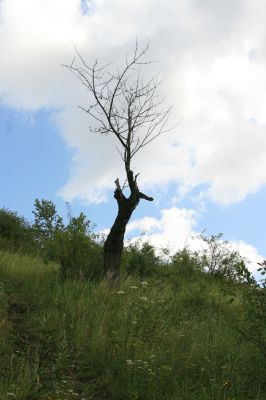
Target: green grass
171,337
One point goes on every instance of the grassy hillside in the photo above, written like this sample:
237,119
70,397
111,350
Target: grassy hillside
174,336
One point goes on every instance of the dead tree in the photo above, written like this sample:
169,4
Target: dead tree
127,106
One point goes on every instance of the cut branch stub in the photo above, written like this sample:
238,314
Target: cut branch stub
126,106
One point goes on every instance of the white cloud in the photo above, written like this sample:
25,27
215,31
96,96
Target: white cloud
175,229
146,224
213,59
250,254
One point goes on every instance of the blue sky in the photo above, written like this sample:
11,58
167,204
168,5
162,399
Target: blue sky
35,163
208,174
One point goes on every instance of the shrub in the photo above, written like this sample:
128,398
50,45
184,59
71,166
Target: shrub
186,263
72,245
140,259
77,251
15,232
221,260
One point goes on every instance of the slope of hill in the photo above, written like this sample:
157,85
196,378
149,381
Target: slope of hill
176,335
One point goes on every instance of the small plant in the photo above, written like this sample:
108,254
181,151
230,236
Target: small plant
254,326
186,263
15,232
72,245
262,271
170,331
140,259
220,259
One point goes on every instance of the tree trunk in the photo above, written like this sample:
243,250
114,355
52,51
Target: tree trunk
114,243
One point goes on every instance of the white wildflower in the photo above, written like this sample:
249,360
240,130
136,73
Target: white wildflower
143,298
120,292
133,287
144,283
130,362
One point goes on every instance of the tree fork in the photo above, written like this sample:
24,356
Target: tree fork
130,109
114,243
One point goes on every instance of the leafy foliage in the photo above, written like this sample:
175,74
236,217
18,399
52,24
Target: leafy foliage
15,232
46,220
140,259
77,250
220,260
186,264
72,245
64,339
170,332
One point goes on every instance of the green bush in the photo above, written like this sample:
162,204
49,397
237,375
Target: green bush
77,251
221,260
186,263
72,245
15,232
140,259
66,339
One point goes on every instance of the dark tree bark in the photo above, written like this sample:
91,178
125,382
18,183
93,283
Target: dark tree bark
126,106
114,243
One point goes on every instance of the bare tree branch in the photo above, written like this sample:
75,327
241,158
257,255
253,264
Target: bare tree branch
124,104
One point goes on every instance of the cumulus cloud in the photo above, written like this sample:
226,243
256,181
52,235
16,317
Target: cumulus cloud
213,60
250,254
175,229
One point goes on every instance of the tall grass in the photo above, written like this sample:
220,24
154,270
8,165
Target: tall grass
169,337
